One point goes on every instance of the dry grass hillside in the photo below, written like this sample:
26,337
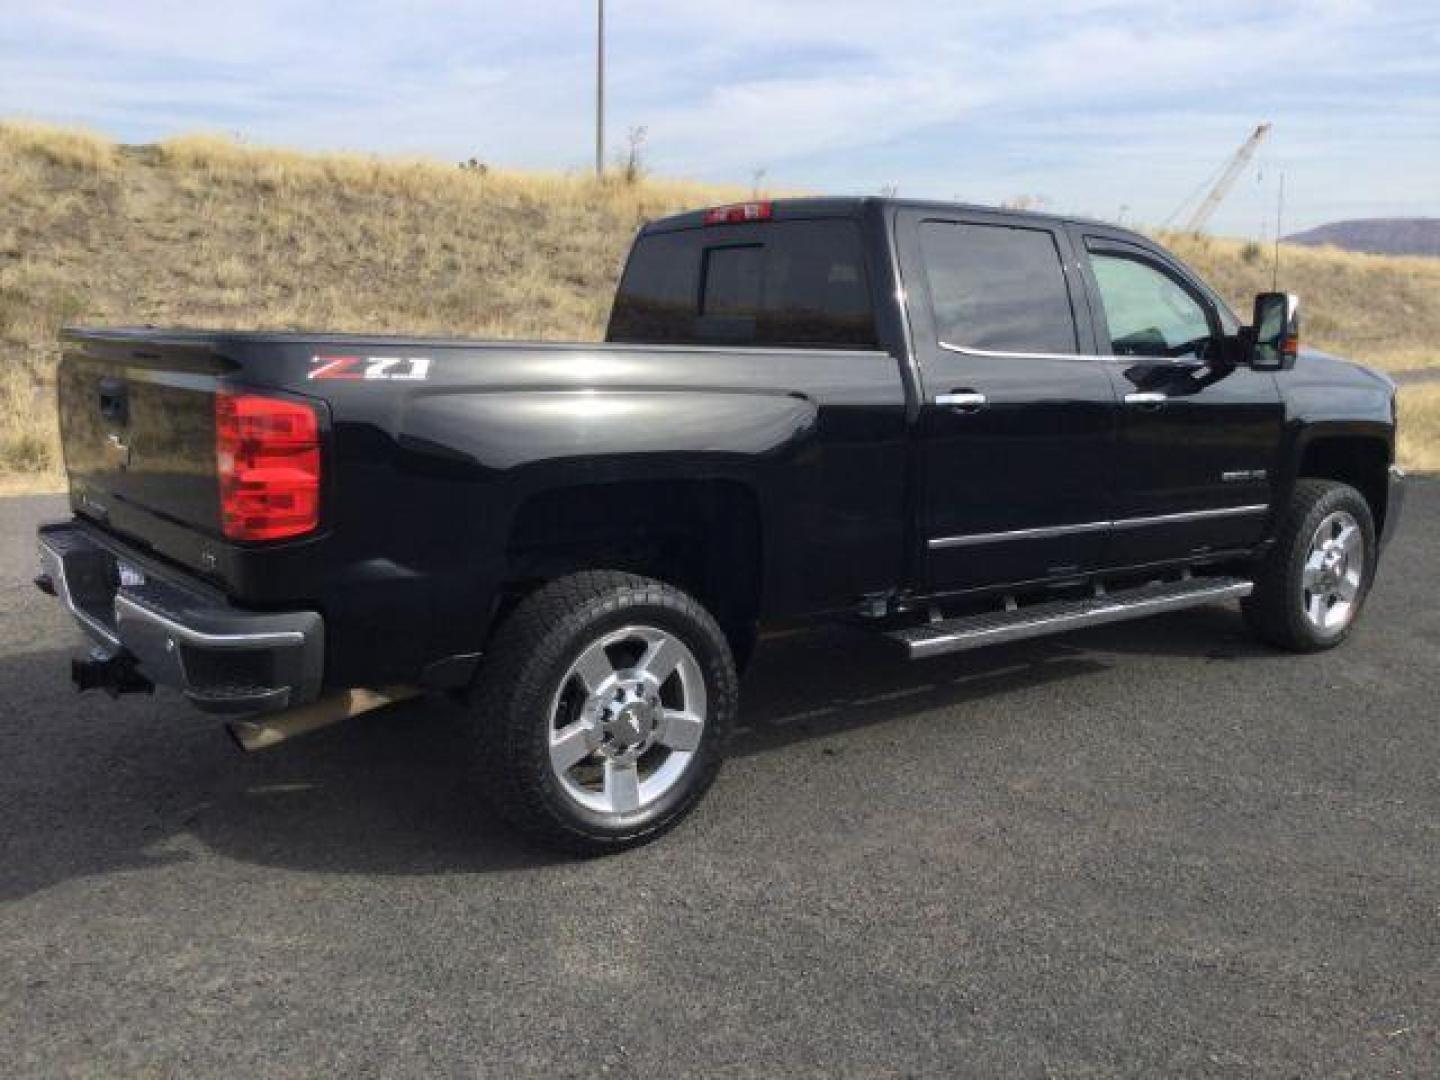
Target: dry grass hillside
1383,310
202,231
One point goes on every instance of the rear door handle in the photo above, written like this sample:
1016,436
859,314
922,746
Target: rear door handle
1150,398
961,400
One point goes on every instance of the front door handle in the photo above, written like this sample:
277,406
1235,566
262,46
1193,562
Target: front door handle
1151,399
961,400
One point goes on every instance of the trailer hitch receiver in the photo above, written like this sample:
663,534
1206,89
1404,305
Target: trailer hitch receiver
115,675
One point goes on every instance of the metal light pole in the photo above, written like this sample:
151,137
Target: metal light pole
600,90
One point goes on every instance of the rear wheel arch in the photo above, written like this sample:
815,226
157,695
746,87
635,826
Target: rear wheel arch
700,535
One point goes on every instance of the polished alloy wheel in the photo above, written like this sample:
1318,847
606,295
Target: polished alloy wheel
627,719
1333,573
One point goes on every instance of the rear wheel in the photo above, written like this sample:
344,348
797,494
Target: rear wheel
1314,581
603,709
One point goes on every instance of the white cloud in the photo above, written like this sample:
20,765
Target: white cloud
1092,102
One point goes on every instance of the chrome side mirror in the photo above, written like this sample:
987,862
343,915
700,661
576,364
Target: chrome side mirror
1275,332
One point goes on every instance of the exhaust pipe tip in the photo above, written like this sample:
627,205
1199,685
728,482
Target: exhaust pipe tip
249,735
263,732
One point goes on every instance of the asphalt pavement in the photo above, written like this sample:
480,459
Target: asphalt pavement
1152,849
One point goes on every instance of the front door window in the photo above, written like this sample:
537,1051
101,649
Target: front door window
1148,312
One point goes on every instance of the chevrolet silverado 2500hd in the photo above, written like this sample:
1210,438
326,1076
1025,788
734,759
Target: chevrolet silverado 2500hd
958,426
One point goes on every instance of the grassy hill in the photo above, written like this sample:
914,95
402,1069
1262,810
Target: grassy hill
202,231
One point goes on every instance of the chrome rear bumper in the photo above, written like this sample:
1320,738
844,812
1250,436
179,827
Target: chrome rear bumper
180,633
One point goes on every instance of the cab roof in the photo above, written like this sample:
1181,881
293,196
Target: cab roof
858,205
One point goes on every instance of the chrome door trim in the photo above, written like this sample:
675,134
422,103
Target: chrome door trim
1051,531
965,350
1192,515
1043,533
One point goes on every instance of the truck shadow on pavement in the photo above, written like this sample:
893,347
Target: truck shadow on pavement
96,787
839,679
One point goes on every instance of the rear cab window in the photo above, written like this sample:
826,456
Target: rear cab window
777,283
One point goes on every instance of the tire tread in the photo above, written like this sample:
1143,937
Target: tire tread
511,763
1270,609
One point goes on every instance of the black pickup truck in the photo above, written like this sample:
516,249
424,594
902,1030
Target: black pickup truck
955,425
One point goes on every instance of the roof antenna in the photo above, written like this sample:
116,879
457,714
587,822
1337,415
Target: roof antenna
1279,218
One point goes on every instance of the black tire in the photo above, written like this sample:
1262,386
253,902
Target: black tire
525,673
1276,609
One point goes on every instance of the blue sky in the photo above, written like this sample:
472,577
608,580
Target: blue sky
1093,106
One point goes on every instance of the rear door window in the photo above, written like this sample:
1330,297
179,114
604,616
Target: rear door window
781,283
997,288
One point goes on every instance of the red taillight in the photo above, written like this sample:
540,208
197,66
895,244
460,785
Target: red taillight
739,213
268,455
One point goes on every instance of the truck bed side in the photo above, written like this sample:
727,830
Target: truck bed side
440,490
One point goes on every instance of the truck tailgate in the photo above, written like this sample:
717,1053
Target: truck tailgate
137,424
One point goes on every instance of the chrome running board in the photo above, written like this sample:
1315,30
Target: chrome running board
1057,616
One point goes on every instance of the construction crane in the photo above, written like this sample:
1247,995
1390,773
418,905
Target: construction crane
1233,168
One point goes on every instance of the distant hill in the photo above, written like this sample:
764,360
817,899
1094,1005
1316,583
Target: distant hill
1377,236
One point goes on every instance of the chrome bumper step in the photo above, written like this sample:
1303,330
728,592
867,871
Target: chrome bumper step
1057,616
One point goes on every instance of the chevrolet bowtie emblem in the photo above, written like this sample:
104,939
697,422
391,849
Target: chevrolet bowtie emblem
117,452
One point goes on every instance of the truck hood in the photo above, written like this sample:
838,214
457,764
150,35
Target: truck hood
1321,366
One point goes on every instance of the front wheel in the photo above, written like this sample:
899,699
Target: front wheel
1314,581
602,710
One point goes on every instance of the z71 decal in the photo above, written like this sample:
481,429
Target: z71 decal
370,367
